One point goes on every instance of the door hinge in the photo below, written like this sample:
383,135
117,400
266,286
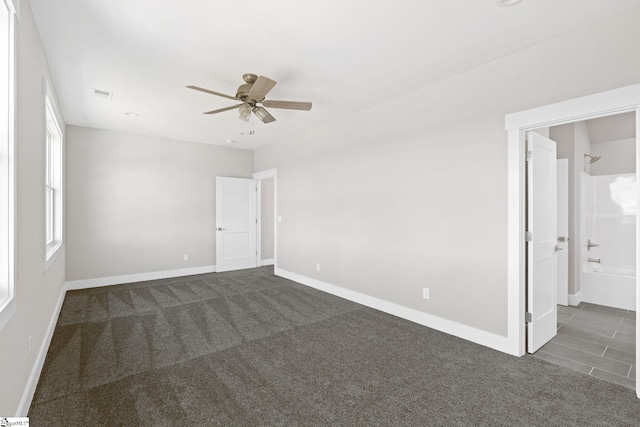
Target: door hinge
529,155
528,317
528,236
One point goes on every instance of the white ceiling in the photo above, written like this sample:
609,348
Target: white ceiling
343,55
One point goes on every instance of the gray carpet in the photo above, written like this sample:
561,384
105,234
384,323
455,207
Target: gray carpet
248,348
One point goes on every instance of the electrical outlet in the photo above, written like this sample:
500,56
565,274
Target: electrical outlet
29,341
186,257
318,266
425,293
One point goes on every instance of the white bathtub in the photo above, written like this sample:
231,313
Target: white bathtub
611,286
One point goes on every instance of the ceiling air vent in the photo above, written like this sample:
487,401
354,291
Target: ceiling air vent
102,94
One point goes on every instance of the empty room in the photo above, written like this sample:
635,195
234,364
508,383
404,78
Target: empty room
319,213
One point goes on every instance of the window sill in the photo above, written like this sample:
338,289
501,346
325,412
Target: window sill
7,309
53,251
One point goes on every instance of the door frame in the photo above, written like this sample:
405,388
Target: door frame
563,297
616,101
260,176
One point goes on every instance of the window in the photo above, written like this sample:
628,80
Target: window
53,184
7,147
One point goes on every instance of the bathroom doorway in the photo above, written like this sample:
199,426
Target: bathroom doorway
596,331
612,102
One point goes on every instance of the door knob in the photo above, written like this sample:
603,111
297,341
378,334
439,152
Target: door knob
220,228
558,249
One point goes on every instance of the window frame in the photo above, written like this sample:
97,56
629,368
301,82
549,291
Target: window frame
8,304
53,182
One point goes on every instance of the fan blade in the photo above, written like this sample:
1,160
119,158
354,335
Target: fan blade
223,109
289,105
260,88
263,115
212,92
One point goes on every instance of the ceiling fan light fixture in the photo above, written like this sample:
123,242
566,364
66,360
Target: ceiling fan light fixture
261,113
507,3
245,112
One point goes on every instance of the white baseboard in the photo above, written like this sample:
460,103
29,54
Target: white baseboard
478,336
27,396
269,261
575,299
139,277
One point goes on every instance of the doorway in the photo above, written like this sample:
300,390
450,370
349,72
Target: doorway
246,226
267,217
596,321
616,101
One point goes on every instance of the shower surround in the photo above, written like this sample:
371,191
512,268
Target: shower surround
608,240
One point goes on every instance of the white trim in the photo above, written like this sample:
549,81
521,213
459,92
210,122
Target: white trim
54,125
139,277
34,377
49,92
269,261
267,174
7,309
601,104
515,242
621,100
258,221
575,299
8,306
50,258
466,332
637,250
14,6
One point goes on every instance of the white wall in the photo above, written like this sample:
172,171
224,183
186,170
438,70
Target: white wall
137,204
412,193
617,157
37,292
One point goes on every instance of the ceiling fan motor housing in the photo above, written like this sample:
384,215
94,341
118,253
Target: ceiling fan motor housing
243,91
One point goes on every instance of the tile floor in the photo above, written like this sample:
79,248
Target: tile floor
596,340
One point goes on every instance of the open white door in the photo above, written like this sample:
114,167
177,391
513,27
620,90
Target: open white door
235,223
542,246
563,231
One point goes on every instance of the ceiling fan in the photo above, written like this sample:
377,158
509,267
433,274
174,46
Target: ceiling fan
251,94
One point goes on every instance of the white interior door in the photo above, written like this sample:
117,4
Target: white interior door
563,230
542,220
235,223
